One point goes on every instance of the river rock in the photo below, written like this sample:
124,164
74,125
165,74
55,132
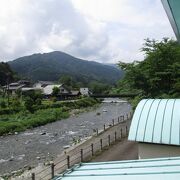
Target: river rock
38,158
66,147
43,133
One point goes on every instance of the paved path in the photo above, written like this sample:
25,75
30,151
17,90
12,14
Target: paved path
123,150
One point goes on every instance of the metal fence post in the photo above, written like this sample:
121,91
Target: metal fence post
126,131
92,149
52,170
109,140
97,131
115,136
104,127
121,133
68,161
101,144
33,176
81,155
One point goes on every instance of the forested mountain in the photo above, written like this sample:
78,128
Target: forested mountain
6,74
51,66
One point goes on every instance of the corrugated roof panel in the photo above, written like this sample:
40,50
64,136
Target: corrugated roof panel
175,137
150,124
166,126
156,121
154,177
159,121
156,169
143,120
172,8
135,122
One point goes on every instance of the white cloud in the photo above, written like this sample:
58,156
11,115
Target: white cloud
102,30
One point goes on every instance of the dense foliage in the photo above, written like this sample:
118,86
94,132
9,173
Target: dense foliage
6,74
57,65
158,76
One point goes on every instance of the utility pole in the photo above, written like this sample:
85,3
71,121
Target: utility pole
8,88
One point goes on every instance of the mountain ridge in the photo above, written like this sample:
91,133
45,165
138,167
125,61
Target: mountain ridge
51,66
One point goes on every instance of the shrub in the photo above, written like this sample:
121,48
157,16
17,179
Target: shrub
3,104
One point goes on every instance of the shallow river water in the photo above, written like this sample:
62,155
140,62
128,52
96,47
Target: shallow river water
35,146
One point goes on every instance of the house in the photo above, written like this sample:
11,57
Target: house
156,169
12,88
85,91
63,91
26,90
42,84
74,94
156,127
26,83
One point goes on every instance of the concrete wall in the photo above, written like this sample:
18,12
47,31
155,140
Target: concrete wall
147,150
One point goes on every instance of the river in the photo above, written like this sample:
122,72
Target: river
45,143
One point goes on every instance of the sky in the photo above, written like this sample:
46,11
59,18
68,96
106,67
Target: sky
105,31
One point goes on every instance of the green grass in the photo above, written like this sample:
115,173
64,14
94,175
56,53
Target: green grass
21,121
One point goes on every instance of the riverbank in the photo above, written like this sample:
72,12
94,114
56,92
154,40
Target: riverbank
42,144
17,122
100,142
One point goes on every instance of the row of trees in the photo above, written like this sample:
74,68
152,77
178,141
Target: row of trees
96,87
158,76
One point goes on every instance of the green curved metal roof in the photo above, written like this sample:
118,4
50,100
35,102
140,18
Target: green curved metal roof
156,121
156,169
172,8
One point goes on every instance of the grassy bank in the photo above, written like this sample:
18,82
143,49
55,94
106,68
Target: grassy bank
45,113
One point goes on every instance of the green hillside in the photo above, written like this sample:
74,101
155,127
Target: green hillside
51,66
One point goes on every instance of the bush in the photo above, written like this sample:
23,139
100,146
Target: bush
16,104
28,103
3,104
135,101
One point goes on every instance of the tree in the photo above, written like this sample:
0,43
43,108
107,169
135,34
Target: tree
158,74
66,79
6,74
99,88
55,91
32,99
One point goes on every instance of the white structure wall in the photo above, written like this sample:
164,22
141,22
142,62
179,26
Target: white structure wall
84,91
148,150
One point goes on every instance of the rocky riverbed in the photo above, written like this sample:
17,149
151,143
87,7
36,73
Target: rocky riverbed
29,148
